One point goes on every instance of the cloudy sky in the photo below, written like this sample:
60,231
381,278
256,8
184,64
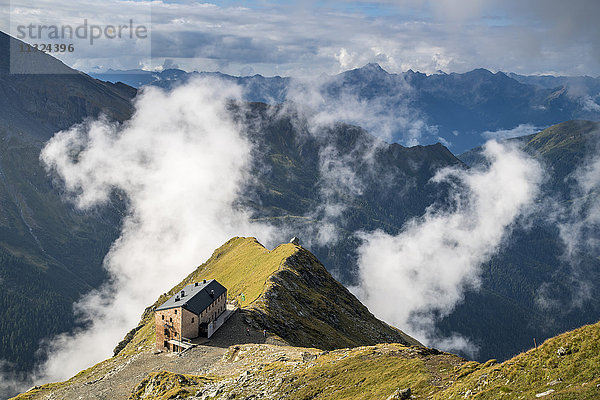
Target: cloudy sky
300,38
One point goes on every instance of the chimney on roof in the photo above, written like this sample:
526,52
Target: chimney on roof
204,281
183,293
177,298
212,294
196,284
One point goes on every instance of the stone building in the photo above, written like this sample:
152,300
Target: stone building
190,313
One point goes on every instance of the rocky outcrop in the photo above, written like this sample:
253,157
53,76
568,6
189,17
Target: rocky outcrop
307,307
273,372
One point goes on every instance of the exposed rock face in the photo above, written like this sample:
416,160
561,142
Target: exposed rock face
306,307
400,394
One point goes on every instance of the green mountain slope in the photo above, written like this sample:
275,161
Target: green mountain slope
509,309
287,291
563,147
564,367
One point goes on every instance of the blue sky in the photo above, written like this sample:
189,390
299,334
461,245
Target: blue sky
300,38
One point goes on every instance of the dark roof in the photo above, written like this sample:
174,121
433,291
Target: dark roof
196,298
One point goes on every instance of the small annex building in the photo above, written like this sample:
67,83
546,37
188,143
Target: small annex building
189,314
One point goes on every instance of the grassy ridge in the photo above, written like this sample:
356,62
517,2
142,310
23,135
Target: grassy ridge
286,291
568,364
305,306
242,265
566,367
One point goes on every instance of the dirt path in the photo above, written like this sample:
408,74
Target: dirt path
123,374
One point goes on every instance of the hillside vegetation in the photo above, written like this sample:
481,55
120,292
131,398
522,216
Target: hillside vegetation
286,291
330,347
566,367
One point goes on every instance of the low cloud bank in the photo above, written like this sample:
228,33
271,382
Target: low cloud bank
180,163
520,130
412,279
319,106
582,218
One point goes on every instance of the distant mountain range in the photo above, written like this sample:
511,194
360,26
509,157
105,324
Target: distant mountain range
459,110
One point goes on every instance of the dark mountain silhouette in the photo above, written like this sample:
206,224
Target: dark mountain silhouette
458,108
50,254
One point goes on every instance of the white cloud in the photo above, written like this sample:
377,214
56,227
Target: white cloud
11,382
411,279
520,130
301,39
345,59
180,162
338,186
325,102
581,220
589,104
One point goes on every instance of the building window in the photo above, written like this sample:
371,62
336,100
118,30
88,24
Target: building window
170,319
192,320
166,332
166,345
163,317
175,312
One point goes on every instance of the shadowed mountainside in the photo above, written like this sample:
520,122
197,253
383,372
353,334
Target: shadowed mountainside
531,287
50,253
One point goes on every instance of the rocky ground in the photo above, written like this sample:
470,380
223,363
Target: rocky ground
117,376
385,371
332,348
